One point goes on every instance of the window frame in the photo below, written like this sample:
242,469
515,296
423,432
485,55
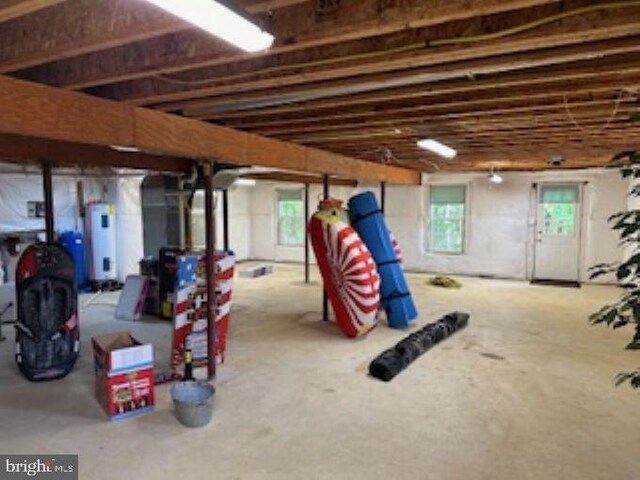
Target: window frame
279,241
465,221
541,204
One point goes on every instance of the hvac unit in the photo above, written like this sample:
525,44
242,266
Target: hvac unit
101,229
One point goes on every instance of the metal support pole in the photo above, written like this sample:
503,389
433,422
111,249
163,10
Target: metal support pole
188,227
182,215
307,254
383,196
47,184
225,219
325,298
210,226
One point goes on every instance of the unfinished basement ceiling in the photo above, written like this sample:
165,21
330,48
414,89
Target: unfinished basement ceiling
508,83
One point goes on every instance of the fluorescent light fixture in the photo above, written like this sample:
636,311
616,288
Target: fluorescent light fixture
437,148
245,182
220,21
125,149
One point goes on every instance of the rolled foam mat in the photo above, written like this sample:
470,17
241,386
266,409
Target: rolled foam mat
391,362
368,221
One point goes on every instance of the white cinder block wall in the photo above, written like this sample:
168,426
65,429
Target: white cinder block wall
500,221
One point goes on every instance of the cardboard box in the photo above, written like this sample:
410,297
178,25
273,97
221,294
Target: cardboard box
124,375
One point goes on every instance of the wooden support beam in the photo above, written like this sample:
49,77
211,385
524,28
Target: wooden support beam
525,164
156,131
10,9
298,178
21,149
43,112
294,24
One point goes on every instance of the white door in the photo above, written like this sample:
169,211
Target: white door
557,236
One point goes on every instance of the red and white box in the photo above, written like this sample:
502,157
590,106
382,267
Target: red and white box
124,375
190,309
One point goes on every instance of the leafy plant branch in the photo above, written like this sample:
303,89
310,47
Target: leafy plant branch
626,311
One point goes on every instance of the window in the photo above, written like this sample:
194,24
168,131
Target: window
447,218
291,221
559,207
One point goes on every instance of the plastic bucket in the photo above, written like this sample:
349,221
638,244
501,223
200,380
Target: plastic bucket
193,402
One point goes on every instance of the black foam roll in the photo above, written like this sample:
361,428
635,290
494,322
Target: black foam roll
386,365
391,362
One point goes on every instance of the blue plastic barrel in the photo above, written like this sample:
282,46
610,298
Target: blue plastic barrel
74,242
395,297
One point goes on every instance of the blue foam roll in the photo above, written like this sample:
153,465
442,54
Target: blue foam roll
368,221
396,298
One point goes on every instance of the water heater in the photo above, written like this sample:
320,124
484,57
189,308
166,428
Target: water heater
101,230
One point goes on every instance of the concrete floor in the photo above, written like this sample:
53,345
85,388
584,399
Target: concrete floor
525,392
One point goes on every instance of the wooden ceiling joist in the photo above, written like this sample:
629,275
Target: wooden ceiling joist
79,27
610,70
37,111
10,9
293,23
159,90
513,81
445,108
367,83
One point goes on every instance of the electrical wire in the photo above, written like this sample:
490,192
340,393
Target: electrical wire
592,131
534,24
295,66
406,48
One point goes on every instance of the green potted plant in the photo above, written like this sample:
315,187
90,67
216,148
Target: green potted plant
626,311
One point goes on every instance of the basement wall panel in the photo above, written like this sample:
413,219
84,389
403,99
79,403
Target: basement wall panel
500,221
124,193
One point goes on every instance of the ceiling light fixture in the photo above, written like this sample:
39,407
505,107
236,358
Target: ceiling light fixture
438,148
495,178
221,21
556,160
124,149
245,182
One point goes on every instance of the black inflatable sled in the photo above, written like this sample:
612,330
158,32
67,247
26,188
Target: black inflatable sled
391,362
47,333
